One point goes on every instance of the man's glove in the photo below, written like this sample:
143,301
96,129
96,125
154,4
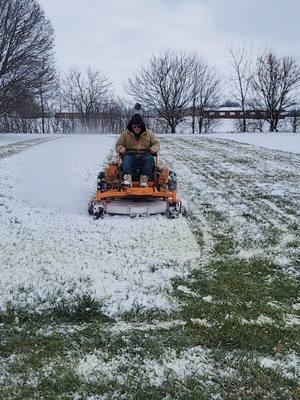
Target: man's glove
122,151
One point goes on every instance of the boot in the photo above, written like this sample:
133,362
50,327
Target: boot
143,180
127,180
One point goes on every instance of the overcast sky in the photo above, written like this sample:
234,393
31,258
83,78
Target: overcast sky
118,36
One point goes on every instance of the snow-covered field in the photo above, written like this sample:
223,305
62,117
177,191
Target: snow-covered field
253,192
284,141
53,252
10,138
220,281
7,138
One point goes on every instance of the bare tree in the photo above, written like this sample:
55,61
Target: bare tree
46,89
242,67
26,46
85,92
205,93
165,86
274,83
112,117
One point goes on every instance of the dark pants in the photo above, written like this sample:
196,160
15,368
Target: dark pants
143,161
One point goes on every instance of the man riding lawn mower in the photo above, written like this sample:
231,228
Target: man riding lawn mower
136,184
136,146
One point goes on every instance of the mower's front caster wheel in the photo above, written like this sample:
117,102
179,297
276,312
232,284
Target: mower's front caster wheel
99,213
173,212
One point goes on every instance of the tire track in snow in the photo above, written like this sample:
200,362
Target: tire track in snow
15,148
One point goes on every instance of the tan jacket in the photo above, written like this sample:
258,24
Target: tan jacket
128,142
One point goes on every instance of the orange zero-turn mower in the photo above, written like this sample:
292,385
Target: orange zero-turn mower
159,197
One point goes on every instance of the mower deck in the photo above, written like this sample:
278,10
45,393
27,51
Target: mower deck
159,197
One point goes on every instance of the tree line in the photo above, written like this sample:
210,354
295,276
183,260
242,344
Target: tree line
173,87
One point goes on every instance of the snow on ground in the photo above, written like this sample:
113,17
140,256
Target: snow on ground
285,141
246,194
243,196
193,362
288,365
52,252
8,138
18,146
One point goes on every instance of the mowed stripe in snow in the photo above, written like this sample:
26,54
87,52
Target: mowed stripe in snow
53,252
